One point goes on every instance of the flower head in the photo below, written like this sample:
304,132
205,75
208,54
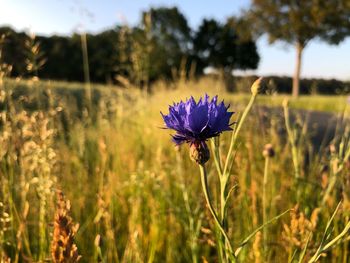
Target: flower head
268,151
195,122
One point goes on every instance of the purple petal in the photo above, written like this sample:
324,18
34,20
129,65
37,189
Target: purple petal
197,121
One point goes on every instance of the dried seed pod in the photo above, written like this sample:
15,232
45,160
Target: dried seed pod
268,151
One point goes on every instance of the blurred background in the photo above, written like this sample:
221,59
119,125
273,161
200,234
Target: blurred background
145,41
87,172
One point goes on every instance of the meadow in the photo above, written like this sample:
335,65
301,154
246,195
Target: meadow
137,198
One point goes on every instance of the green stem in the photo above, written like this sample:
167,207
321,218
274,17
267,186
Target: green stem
236,132
191,219
211,208
42,231
292,139
264,202
216,154
225,173
324,248
223,183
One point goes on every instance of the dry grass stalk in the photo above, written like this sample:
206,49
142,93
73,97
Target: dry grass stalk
63,248
5,221
256,251
296,234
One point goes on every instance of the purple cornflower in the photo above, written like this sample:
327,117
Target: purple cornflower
194,122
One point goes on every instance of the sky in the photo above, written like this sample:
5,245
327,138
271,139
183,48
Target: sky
63,17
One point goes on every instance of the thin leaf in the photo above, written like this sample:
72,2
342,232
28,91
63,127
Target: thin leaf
302,255
293,256
247,239
334,241
230,192
326,233
326,236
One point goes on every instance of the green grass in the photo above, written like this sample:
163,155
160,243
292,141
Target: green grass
137,198
326,103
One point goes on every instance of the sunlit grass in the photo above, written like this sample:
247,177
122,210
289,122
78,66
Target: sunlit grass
138,198
170,92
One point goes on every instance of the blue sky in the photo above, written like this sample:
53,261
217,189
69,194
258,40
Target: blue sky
67,16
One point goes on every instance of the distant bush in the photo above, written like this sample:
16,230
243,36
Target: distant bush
284,85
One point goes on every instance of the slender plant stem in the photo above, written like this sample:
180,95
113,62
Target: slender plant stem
216,154
295,153
223,186
86,69
42,231
223,199
225,173
191,220
329,245
235,134
211,208
336,174
264,202
291,137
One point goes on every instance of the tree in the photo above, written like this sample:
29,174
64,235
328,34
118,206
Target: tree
13,50
103,55
297,22
155,48
224,46
170,36
206,44
57,49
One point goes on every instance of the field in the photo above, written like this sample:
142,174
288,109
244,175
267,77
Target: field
138,198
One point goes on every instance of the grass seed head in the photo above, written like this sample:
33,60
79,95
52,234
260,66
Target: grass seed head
63,248
257,86
268,151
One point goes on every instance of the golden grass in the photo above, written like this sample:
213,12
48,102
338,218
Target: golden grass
136,197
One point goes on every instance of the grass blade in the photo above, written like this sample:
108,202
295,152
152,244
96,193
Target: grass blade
247,239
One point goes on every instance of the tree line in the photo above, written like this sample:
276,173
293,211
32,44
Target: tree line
162,45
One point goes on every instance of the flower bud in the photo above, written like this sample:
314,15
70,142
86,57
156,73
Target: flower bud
257,86
268,151
199,152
